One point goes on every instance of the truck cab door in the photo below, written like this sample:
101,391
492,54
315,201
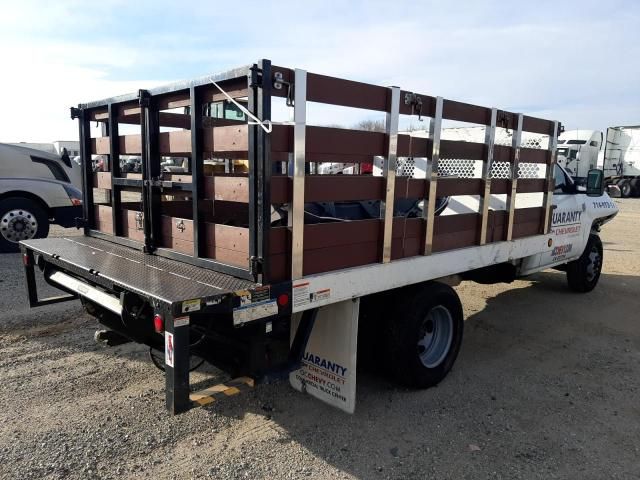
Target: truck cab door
567,235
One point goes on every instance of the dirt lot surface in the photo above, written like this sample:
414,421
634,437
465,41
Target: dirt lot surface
547,385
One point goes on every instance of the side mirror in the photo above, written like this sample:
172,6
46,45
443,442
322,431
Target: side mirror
595,183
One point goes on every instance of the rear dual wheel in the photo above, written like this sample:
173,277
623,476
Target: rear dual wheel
423,334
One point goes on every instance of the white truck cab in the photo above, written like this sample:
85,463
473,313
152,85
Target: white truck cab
36,189
578,152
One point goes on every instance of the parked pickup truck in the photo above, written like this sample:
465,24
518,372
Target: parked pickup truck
35,191
276,272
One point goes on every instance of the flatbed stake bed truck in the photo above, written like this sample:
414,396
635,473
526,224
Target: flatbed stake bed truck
251,260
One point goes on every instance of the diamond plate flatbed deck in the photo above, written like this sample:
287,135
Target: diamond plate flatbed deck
166,280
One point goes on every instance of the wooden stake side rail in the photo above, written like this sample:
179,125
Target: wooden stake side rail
225,204
347,93
323,144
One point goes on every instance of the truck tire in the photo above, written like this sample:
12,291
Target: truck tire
625,188
21,219
583,274
635,187
424,336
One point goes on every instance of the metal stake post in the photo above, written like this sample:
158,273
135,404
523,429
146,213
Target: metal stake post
176,364
489,140
429,210
548,194
114,160
197,169
511,196
87,169
389,173
299,151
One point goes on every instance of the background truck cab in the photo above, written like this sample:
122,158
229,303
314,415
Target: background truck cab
36,189
578,152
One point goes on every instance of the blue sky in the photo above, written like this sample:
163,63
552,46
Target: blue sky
577,62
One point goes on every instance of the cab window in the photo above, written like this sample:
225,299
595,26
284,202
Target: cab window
562,182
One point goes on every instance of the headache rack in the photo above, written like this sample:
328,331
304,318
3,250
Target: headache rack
215,210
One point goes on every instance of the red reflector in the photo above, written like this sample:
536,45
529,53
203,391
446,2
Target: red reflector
283,299
158,323
25,259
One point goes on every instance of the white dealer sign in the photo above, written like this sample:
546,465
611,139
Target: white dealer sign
329,363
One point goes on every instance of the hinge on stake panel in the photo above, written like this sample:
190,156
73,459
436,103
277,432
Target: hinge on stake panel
256,76
279,82
416,103
255,265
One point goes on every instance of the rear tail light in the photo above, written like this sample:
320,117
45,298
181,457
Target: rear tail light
158,323
25,259
283,300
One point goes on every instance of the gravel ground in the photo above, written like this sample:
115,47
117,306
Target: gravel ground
547,385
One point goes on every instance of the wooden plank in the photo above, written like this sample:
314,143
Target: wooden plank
534,155
227,237
130,225
229,188
336,91
413,146
218,140
527,222
321,188
537,125
456,231
103,218
99,115
175,143
466,112
102,180
176,177
176,227
232,138
228,257
327,188
500,186
531,185
178,244
459,186
463,150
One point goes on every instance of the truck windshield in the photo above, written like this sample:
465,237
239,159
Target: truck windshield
227,110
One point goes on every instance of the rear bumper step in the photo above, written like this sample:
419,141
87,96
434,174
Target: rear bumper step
87,291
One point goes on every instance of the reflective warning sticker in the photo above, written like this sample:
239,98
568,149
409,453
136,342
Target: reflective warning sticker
254,311
260,294
168,349
321,295
301,295
191,305
181,321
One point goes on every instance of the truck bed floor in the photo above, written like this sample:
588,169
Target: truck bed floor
167,280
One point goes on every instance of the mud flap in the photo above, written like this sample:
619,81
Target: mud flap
329,362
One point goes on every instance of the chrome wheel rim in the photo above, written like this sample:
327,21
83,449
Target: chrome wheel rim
594,265
436,335
18,224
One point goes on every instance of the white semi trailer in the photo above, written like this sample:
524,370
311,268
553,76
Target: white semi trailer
621,159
